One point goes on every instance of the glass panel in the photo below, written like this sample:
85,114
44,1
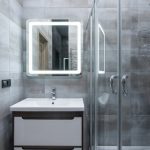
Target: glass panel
106,72
136,64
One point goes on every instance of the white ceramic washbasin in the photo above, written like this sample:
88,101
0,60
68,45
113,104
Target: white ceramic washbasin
45,104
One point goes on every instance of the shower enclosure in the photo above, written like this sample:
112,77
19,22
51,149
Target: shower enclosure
120,74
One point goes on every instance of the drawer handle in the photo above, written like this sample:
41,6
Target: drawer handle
22,148
46,118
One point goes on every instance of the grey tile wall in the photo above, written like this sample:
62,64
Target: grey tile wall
10,65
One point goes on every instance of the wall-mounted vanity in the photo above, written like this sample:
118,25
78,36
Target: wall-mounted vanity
48,125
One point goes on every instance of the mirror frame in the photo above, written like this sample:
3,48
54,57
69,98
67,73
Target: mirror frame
29,27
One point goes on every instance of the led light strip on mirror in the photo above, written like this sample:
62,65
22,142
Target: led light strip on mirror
30,25
101,30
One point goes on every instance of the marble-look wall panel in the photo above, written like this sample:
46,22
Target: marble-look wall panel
140,63
10,66
4,61
111,39
34,87
140,103
15,63
124,3
32,13
143,3
15,39
4,97
15,12
20,2
130,19
143,20
56,3
106,3
73,14
4,31
140,132
140,82
4,7
129,4
16,91
107,127
68,88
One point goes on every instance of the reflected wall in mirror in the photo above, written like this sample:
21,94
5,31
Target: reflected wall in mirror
54,47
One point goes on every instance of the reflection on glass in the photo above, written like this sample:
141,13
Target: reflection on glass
43,52
60,47
101,50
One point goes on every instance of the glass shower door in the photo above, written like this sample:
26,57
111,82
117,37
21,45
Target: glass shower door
106,75
122,75
135,55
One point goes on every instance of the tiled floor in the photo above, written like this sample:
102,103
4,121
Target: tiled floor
124,148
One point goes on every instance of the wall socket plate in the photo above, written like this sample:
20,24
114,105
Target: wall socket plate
6,83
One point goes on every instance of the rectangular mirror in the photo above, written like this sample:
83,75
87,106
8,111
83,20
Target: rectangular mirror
53,47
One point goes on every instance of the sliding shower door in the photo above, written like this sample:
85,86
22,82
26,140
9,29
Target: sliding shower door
106,75
122,74
135,55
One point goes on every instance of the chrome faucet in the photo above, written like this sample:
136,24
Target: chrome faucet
53,94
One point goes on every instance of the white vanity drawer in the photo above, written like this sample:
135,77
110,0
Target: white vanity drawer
39,149
40,132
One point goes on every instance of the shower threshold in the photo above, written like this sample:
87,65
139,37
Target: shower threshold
123,148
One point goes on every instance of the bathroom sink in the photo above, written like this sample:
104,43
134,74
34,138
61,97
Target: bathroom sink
46,104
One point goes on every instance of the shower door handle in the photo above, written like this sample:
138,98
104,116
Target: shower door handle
124,84
112,78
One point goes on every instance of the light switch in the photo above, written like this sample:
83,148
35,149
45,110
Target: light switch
6,83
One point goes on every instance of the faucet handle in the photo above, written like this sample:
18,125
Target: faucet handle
53,93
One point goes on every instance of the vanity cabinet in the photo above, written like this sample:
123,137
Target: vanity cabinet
48,130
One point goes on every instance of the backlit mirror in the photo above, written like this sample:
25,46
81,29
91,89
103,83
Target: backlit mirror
53,47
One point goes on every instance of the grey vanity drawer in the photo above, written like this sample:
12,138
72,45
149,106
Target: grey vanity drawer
41,132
